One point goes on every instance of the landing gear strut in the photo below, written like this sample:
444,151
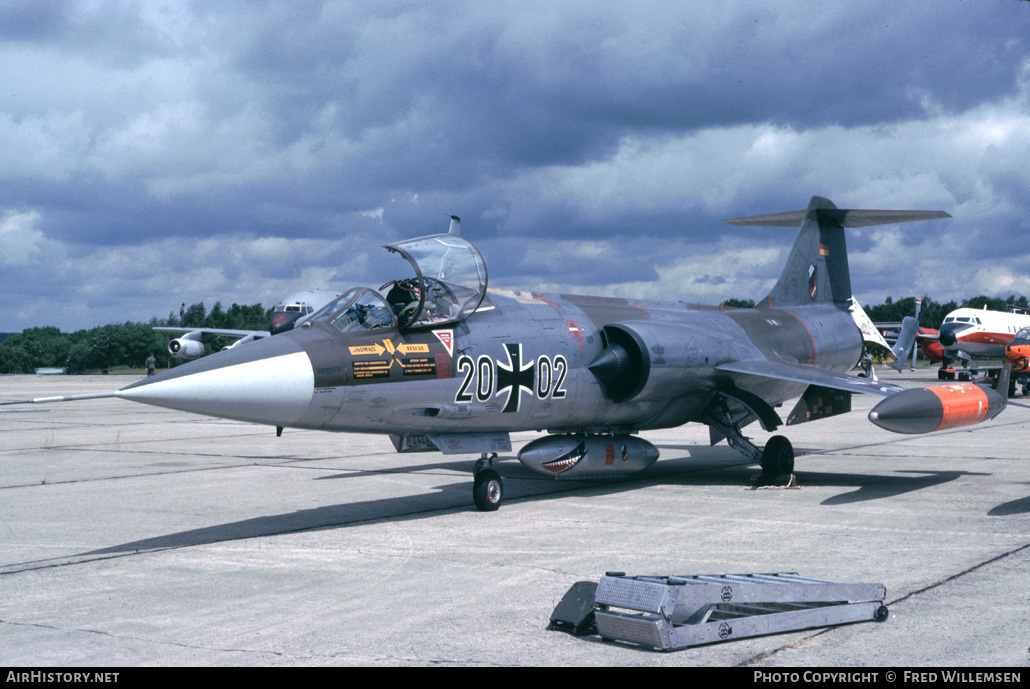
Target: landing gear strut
776,458
487,486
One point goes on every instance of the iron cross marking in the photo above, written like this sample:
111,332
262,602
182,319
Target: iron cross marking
514,377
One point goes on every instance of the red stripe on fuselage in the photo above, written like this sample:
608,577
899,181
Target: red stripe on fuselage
986,337
812,358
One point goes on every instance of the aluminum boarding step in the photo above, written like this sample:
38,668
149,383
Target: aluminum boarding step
673,612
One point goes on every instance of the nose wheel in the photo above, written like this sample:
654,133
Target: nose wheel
487,486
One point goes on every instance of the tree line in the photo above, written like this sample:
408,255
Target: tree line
931,313
125,345
128,345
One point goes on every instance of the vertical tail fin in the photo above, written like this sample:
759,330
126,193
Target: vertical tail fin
817,269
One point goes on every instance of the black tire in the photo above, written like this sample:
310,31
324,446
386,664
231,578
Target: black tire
882,613
777,457
487,490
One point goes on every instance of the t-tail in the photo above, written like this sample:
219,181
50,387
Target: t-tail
817,268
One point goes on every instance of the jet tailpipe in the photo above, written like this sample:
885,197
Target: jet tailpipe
935,408
592,456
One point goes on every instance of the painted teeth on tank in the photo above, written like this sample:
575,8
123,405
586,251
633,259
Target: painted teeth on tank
560,465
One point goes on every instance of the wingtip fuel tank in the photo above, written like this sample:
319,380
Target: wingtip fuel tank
936,408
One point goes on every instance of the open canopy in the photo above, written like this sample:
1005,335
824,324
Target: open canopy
449,283
448,286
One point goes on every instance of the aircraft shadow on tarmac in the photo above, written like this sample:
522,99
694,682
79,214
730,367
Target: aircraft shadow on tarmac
521,484
1007,509
720,466
878,487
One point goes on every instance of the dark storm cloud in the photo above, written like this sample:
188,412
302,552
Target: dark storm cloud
205,128
30,20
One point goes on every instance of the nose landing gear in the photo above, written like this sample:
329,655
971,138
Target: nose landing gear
487,485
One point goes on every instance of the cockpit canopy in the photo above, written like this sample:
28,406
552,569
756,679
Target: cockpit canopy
1023,334
448,286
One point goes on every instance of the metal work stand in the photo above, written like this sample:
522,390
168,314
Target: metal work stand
673,612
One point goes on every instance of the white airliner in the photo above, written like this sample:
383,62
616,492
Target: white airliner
968,332
287,313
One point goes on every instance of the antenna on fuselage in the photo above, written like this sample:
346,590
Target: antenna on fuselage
455,227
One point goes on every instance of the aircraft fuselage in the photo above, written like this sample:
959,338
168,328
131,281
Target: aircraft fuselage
519,363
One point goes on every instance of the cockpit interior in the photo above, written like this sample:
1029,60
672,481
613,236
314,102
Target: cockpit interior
448,286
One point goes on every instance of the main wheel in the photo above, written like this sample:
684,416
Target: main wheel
777,457
487,490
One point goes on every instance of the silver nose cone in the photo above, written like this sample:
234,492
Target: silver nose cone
269,381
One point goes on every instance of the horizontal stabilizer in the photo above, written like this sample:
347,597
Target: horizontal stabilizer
844,217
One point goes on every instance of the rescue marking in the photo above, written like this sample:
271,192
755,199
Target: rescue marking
376,349
400,354
388,346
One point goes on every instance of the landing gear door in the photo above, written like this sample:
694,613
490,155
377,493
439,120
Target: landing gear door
449,283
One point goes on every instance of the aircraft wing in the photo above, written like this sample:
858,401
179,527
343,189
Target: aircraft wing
205,334
799,373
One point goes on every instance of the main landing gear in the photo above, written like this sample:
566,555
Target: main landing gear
776,458
487,486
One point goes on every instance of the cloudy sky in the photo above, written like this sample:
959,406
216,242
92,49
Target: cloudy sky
159,152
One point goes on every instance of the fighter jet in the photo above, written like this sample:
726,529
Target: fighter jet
442,362
285,315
